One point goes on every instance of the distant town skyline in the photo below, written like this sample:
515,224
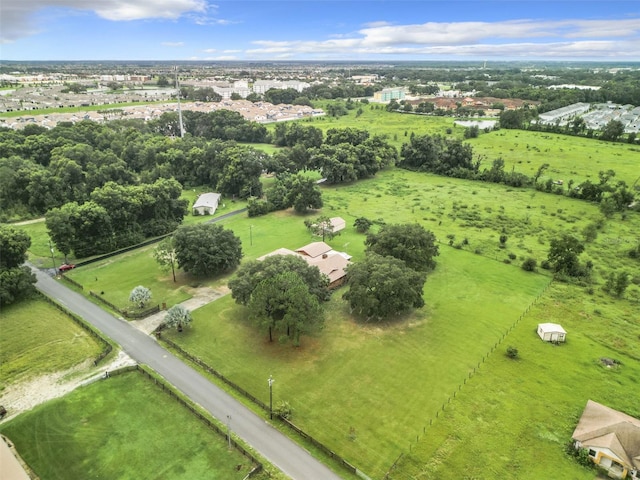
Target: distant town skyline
312,30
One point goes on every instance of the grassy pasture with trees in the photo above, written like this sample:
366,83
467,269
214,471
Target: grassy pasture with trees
371,392
569,157
379,380
346,353
37,338
108,430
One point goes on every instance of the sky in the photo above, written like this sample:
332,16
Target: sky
313,30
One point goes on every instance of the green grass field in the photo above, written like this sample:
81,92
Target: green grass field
115,277
381,380
568,157
513,419
37,338
125,428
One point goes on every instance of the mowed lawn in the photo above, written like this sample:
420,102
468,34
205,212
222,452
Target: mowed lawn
379,383
122,428
37,338
514,418
115,277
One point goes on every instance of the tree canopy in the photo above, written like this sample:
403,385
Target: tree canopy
284,304
206,249
438,155
251,273
563,255
382,286
410,242
14,244
16,280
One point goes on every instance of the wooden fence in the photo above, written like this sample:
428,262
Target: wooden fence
262,405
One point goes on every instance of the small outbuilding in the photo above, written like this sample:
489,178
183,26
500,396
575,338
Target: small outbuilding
337,223
207,203
552,332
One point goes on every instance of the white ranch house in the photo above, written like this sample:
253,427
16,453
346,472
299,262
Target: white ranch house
207,203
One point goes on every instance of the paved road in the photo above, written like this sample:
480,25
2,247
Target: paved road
282,452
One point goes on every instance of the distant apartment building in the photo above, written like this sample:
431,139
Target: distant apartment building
262,86
388,94
564,113
125,78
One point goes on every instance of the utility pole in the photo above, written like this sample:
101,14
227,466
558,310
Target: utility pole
53,259
179,107
271,380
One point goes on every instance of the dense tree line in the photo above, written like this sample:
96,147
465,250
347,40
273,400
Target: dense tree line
297,191
16,279
42,169
345,155
116,216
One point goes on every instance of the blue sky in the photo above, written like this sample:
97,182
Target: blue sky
603,30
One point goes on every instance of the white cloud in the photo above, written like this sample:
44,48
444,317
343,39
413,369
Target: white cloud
513,38
173,44
18,16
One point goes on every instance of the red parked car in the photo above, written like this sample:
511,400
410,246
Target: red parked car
65,267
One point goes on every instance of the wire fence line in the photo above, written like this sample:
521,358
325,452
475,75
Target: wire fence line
471,373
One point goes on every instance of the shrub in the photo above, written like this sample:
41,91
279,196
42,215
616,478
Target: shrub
529,265
545,264
513,256
512,352
283,410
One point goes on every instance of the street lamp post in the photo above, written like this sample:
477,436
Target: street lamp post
229,429
53,259
271,380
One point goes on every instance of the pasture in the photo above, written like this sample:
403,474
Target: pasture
108,430
37,339
380,381
514,418
569,157
380,386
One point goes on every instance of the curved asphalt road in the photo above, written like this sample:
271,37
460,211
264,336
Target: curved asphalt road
282,452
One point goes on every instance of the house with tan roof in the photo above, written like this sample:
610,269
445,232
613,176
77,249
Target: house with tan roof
331,263
612,439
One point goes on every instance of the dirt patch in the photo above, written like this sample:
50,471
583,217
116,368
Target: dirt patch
25,395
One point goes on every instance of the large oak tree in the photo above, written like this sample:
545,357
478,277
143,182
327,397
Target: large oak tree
381,287
206,249
410,242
